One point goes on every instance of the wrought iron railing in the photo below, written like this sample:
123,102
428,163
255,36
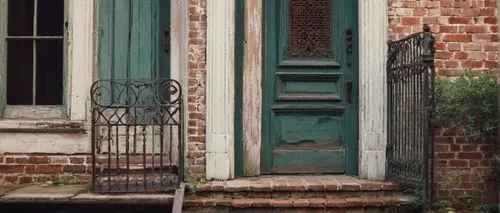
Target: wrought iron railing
410,79
137,141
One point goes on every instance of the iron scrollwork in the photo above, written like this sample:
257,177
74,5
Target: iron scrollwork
136,135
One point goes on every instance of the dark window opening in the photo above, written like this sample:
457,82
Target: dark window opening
35,47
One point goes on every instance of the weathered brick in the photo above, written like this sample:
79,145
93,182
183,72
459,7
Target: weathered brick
242,203
25,179
77,160
301,203
472,64
59,160
317,202
457,38
11,168
470,155
16,160
445,155
469,147
446,140
473,29
336,203
38,160
458,163
459,20
11,178
448,29
442,148
490,20
491,64
48,169
75,169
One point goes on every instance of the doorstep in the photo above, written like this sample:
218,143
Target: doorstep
337,193
269,183
75,194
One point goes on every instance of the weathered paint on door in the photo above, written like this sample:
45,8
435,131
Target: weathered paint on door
310,87
134,39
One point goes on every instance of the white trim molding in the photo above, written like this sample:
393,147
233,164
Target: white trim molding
80,57
373,35
220,90
179,54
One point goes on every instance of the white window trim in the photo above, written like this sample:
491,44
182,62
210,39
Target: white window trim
70,135
78,64
30,111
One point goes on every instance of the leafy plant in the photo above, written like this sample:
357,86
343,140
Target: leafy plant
468,103
443,206
489,209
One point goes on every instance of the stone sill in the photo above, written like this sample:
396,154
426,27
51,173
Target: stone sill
42,126
75,194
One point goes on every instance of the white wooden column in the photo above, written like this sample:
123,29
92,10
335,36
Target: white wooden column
373,35
220,90
80,56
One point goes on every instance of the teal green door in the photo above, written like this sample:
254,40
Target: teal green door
134,39
310,87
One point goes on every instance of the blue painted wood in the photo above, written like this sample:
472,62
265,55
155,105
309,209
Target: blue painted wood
131,32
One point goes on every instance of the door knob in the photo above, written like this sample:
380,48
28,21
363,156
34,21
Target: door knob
349,40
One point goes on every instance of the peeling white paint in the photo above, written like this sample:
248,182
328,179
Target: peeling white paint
373,35
220,90
80,60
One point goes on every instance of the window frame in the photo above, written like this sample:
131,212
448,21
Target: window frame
31,111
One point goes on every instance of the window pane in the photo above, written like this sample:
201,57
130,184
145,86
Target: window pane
19,72
310,24
50,17
20,17
49,75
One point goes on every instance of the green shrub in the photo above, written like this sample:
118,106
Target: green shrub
489,209
468,103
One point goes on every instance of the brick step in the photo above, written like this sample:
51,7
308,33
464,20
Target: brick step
295,192
310,186
389,204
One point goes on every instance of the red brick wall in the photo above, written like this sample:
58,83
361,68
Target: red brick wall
197,44
32,168
464,170
467,30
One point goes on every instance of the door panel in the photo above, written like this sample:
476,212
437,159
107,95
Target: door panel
134,39
306,111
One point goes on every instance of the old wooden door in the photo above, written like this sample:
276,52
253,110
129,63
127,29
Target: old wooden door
310,87
134,39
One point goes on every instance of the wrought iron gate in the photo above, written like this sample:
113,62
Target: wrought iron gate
137,141
410,79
